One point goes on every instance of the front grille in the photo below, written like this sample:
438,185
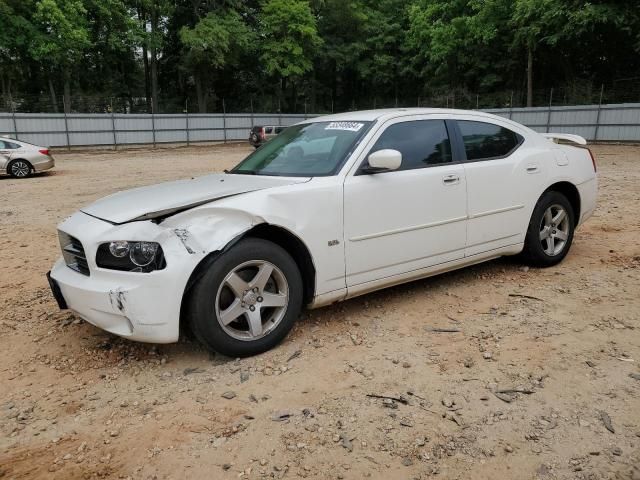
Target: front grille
73,253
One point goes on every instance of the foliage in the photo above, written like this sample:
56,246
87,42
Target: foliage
290,37
328,53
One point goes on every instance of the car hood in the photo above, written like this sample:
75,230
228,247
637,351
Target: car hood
165,199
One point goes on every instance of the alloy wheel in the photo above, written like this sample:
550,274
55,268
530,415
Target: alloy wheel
20,169
252,300
554,230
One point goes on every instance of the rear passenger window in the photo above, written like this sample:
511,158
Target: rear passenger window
268,129
422,143
279,130
483,141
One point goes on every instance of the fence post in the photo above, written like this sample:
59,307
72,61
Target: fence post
153,128
224,120
113,128
511,105
252,119
549,112
66,123
595,136
15,124
186,119
477,101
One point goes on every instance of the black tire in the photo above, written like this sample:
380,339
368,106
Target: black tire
537,252
19,168
201,309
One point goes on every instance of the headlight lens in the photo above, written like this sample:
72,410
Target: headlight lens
119,249
130,256
143,253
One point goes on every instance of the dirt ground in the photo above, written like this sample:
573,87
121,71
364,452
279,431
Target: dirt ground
76,402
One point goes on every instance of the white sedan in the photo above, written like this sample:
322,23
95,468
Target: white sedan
332,208
21,159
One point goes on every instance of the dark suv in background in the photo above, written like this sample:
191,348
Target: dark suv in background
263,133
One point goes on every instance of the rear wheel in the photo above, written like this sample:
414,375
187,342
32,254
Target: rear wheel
550,231
248,299
19,168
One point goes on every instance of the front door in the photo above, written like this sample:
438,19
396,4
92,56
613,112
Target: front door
411,218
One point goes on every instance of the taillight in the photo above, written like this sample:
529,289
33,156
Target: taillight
262,133
44,151
593,160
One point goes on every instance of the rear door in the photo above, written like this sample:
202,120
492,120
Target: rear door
5,151
407,219
504,176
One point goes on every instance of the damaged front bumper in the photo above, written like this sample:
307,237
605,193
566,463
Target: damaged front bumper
139,306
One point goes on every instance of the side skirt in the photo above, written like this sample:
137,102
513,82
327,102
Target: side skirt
364,288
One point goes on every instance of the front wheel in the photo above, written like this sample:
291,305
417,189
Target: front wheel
550,231
248,299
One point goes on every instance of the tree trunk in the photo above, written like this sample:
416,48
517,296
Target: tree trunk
6,91
52,94
529,77
201,93
145,61
154,61
312,99
67,92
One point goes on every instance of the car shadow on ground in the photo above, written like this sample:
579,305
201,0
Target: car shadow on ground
48,173
189,352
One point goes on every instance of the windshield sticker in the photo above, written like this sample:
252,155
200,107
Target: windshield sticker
349,126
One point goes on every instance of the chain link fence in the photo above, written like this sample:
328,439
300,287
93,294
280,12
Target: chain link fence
626,90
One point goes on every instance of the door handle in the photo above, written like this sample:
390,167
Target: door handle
451,179
533,168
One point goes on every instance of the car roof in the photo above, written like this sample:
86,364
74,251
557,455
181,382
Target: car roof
388,113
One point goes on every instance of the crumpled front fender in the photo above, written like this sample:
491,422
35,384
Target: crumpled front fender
205,231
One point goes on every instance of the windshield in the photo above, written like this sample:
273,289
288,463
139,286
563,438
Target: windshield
307,150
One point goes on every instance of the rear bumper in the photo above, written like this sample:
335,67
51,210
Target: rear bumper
45,164
588,199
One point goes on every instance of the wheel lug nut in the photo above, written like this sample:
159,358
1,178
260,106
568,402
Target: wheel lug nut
252,308
255,289
260,299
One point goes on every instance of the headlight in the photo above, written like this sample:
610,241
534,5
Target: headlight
131,256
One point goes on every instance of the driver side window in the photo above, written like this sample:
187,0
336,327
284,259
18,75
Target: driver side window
423,143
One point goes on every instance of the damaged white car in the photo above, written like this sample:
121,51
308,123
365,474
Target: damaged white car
332,208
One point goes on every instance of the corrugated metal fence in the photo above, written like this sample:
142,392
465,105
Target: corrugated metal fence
619,122
87,129
594,122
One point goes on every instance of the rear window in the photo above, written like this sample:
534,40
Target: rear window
484,141
8,145
268,129
279,129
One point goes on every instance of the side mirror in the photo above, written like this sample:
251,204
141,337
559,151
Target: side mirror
383,161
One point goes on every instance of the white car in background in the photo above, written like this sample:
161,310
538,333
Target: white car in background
21,159
332,208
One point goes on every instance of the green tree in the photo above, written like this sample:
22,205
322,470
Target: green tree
290,39
60,41
15,36
217,41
